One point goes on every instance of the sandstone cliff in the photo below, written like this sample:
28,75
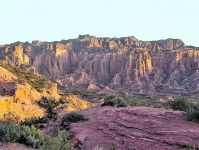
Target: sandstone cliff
121,64
18,99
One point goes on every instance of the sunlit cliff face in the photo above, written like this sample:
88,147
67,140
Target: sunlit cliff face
18,99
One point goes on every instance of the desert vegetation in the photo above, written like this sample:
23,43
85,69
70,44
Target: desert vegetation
36,81
188,105
59,140
34,137
114,101
72,117
28,135
50,105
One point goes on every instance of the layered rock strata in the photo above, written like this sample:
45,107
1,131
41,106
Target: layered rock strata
121,64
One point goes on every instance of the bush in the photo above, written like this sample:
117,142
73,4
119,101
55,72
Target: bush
58,141
9,132
114,101
181,104
34,121
50,106
31,136
12,132
120,102
109,103
190,107
72,117
193,113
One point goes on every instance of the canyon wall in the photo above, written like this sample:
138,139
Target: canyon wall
120,64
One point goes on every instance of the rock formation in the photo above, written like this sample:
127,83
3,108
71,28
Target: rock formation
76,104
121,64
135,128
18,99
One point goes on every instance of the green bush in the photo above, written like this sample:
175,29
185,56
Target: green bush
9,132
109,103
50,106
120,102
31,136
34,121
181,104
60,140
12,132
114,101
193,113
72,117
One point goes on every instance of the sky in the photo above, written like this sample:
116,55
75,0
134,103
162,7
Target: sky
53,20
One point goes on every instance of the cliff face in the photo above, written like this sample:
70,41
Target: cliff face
122,64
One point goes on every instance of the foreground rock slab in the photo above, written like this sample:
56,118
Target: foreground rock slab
14,146
138,128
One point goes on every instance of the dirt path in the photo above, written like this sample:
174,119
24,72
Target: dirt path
138,128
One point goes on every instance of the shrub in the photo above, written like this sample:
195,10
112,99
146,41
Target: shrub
72,117
12,132
193,113
34,121
50,106
31,136
120,102
9,132
109,103
114,101
58,141
181,104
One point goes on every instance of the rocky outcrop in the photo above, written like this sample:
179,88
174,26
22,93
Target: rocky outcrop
135,128
75,103
121,64
7,76
18,99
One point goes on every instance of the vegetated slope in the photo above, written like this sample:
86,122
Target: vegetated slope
121,64
135,128
17,98
21,90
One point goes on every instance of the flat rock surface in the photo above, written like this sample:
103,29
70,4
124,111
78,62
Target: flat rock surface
138,128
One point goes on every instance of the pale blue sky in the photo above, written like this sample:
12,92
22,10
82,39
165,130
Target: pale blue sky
50,20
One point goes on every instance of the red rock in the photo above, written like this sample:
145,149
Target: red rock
135,128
